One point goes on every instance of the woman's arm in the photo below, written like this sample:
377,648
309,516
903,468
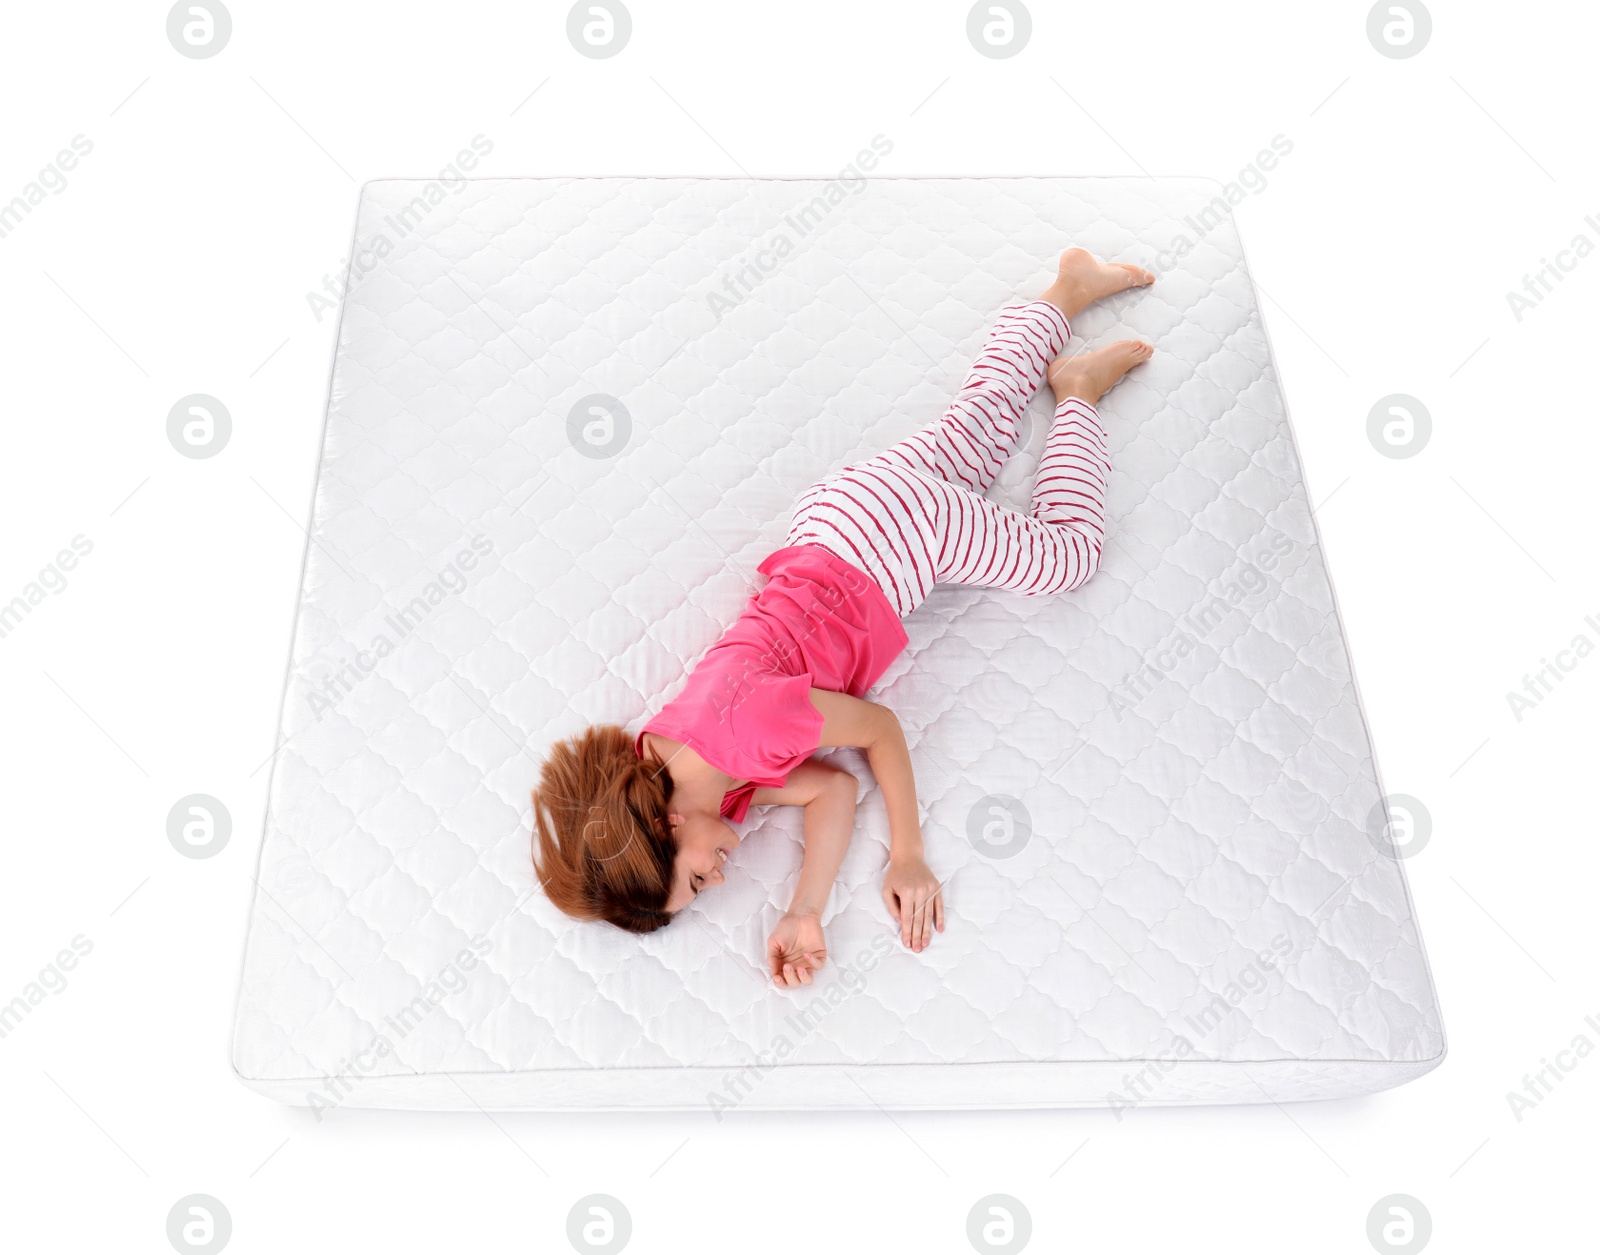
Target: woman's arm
910,890
828,794
874,730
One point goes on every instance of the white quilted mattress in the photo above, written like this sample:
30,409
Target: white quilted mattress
1155,801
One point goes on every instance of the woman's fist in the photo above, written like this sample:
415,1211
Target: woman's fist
796,949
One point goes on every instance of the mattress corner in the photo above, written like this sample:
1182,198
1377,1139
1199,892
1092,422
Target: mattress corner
286,1092
1425,1064
234,1064
1438,1056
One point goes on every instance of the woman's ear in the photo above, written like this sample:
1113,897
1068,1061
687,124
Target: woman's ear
674,819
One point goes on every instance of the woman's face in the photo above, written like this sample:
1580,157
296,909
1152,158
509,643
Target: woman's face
704,844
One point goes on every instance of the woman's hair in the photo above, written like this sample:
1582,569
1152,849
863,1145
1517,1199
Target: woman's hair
603,848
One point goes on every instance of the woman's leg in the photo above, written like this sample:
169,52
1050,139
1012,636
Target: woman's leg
884,515
911,529
1057,545
915,515
1054,547
978,432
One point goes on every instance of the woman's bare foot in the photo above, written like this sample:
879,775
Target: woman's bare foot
1089,376
1084,279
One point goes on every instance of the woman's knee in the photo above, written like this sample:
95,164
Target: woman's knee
1074,570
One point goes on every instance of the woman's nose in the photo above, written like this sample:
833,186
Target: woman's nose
716,875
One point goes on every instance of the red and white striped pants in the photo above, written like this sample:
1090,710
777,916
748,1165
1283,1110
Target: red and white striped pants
915,515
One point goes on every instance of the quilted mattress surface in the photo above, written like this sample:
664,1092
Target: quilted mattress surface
568,418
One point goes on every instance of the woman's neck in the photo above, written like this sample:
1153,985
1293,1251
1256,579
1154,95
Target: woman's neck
696,784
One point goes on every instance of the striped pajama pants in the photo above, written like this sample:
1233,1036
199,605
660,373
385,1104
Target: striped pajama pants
915,515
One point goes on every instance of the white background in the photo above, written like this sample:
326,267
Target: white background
219,192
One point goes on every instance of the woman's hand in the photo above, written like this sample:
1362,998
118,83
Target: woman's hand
909,890
915,900
796,949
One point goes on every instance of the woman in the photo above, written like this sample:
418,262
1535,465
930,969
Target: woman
631,830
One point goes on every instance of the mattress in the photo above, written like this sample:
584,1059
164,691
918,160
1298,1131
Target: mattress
567,420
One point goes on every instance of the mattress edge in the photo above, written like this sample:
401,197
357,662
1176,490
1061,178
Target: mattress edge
294,632
1344,632
1199,180
837,1087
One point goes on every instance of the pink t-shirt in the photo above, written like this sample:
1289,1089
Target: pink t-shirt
746,708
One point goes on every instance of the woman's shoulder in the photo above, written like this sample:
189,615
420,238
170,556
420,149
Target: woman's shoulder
682,759
751,725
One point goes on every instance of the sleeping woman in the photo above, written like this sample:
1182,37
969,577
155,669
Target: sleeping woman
631,830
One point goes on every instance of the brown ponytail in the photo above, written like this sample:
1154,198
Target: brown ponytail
603,849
